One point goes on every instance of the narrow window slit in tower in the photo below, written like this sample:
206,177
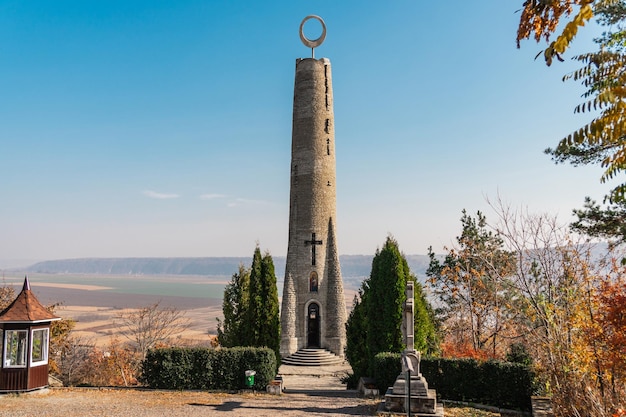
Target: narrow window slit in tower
327,146
327,126
313,282
326,83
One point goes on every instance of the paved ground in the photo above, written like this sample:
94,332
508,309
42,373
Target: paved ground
307,378
310,391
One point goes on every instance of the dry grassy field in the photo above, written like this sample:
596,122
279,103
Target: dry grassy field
95,300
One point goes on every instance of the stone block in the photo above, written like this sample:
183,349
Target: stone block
275,387
420,406
419,386
367,387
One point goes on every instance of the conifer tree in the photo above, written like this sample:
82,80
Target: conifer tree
375,323
255,306
474,288
356,347
231,331
386,288
250,307
426,334
269,322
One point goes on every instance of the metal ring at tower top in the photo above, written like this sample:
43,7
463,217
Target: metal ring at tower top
314,43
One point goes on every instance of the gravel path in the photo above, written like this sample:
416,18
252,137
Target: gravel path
141,403
309,391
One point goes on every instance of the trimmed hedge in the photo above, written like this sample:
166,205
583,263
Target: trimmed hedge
208,369
386,368
501,384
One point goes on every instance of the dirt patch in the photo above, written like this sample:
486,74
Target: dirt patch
138,403
98,323
73,286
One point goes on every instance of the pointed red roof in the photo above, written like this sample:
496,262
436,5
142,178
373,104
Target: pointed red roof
26,309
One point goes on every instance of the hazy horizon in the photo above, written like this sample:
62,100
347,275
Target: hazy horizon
15,264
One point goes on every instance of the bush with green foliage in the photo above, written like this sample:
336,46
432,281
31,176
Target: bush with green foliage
375,323
518,353
387,367
231,331
250,307
501,384
204,368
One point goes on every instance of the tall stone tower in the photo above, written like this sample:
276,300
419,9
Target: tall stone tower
313,310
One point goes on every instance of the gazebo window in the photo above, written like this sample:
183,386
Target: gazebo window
39,353
15,347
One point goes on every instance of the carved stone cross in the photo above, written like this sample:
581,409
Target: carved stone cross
313,243
408,318
408,331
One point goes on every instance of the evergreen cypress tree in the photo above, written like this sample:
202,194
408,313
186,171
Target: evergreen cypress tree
255,306
356,346
384,302
269,323
250,307
375,323
231,331
426,337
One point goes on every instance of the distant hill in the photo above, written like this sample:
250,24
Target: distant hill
351,266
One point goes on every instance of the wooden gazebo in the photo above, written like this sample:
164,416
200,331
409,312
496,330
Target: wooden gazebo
25,334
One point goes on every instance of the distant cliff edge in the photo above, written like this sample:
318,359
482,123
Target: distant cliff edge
351,266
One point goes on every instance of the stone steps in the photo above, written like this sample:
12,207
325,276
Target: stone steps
312,357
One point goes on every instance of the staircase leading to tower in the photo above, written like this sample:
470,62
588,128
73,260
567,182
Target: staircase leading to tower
312,357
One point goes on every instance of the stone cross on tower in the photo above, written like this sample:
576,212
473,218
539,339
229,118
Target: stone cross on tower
313,244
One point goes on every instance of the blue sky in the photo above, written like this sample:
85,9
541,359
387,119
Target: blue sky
163,128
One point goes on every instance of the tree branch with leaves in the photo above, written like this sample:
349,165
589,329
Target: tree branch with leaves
603,74
472,283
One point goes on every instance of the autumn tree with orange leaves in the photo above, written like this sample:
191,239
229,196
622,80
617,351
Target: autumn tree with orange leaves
473,287
607,334
526,282
603,73
569,314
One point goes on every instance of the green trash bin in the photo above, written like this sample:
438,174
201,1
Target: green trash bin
250,378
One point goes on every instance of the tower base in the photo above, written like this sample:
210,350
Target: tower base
288,346
336,345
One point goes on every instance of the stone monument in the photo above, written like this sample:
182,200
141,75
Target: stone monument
423,401
313,311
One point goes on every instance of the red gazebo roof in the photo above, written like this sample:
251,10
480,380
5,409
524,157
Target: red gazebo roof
26,309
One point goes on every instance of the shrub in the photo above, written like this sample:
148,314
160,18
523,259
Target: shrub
500,384
518,353
351,380
386,368
204,368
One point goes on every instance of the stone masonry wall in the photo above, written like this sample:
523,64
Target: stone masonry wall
312,206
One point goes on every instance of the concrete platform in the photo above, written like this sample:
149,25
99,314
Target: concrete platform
315,378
